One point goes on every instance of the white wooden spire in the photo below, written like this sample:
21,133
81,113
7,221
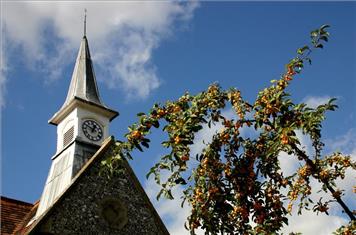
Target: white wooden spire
83,87
83,84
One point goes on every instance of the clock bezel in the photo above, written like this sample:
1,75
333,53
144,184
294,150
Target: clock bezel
88,135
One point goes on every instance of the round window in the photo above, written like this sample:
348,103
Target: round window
114,212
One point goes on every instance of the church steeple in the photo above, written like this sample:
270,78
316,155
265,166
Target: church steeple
82,126
83,86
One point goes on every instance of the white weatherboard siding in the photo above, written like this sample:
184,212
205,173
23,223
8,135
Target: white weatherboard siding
59,177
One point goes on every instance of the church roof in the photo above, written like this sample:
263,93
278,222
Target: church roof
83,86
13,213
21,227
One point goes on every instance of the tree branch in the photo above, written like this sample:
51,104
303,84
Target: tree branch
328,186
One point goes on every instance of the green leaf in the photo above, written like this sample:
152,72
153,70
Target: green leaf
149,174
159,194
157,178
285,220
164,166
319,45
138,146
314,33
324,38
168,194
155,123
140,114
166,143
145,144
152,170
196,128
301,50
183,201
324,26
180,181
332,100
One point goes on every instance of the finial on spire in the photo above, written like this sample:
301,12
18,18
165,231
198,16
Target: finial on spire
85,22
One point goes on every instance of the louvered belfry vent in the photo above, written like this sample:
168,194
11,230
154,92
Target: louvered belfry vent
68,136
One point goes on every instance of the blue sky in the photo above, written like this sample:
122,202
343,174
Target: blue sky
152,52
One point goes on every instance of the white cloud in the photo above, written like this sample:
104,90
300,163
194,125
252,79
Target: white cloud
315,101
345,143
311,224
3,70
204,136
122,35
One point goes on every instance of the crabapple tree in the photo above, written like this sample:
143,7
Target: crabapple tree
237,185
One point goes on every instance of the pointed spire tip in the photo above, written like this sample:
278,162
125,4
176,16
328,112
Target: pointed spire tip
85,22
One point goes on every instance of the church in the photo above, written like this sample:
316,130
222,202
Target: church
78,196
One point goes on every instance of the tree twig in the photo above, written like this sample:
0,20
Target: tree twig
328,186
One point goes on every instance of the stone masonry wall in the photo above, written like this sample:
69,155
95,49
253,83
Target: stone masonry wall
80,210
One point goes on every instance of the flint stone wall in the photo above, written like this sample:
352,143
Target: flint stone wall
78,212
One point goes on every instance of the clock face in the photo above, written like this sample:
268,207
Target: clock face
92,130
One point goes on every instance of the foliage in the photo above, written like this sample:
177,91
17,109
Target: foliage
348,229
237,180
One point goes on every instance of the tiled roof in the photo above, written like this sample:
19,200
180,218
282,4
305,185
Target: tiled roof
12,213
24,226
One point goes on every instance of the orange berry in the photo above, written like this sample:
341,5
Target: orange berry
227,171
227,123
161,112
177,140
290,71
290,206
176,109
136,134
225,137
285,139
237,125
323,208
288,78
185,158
